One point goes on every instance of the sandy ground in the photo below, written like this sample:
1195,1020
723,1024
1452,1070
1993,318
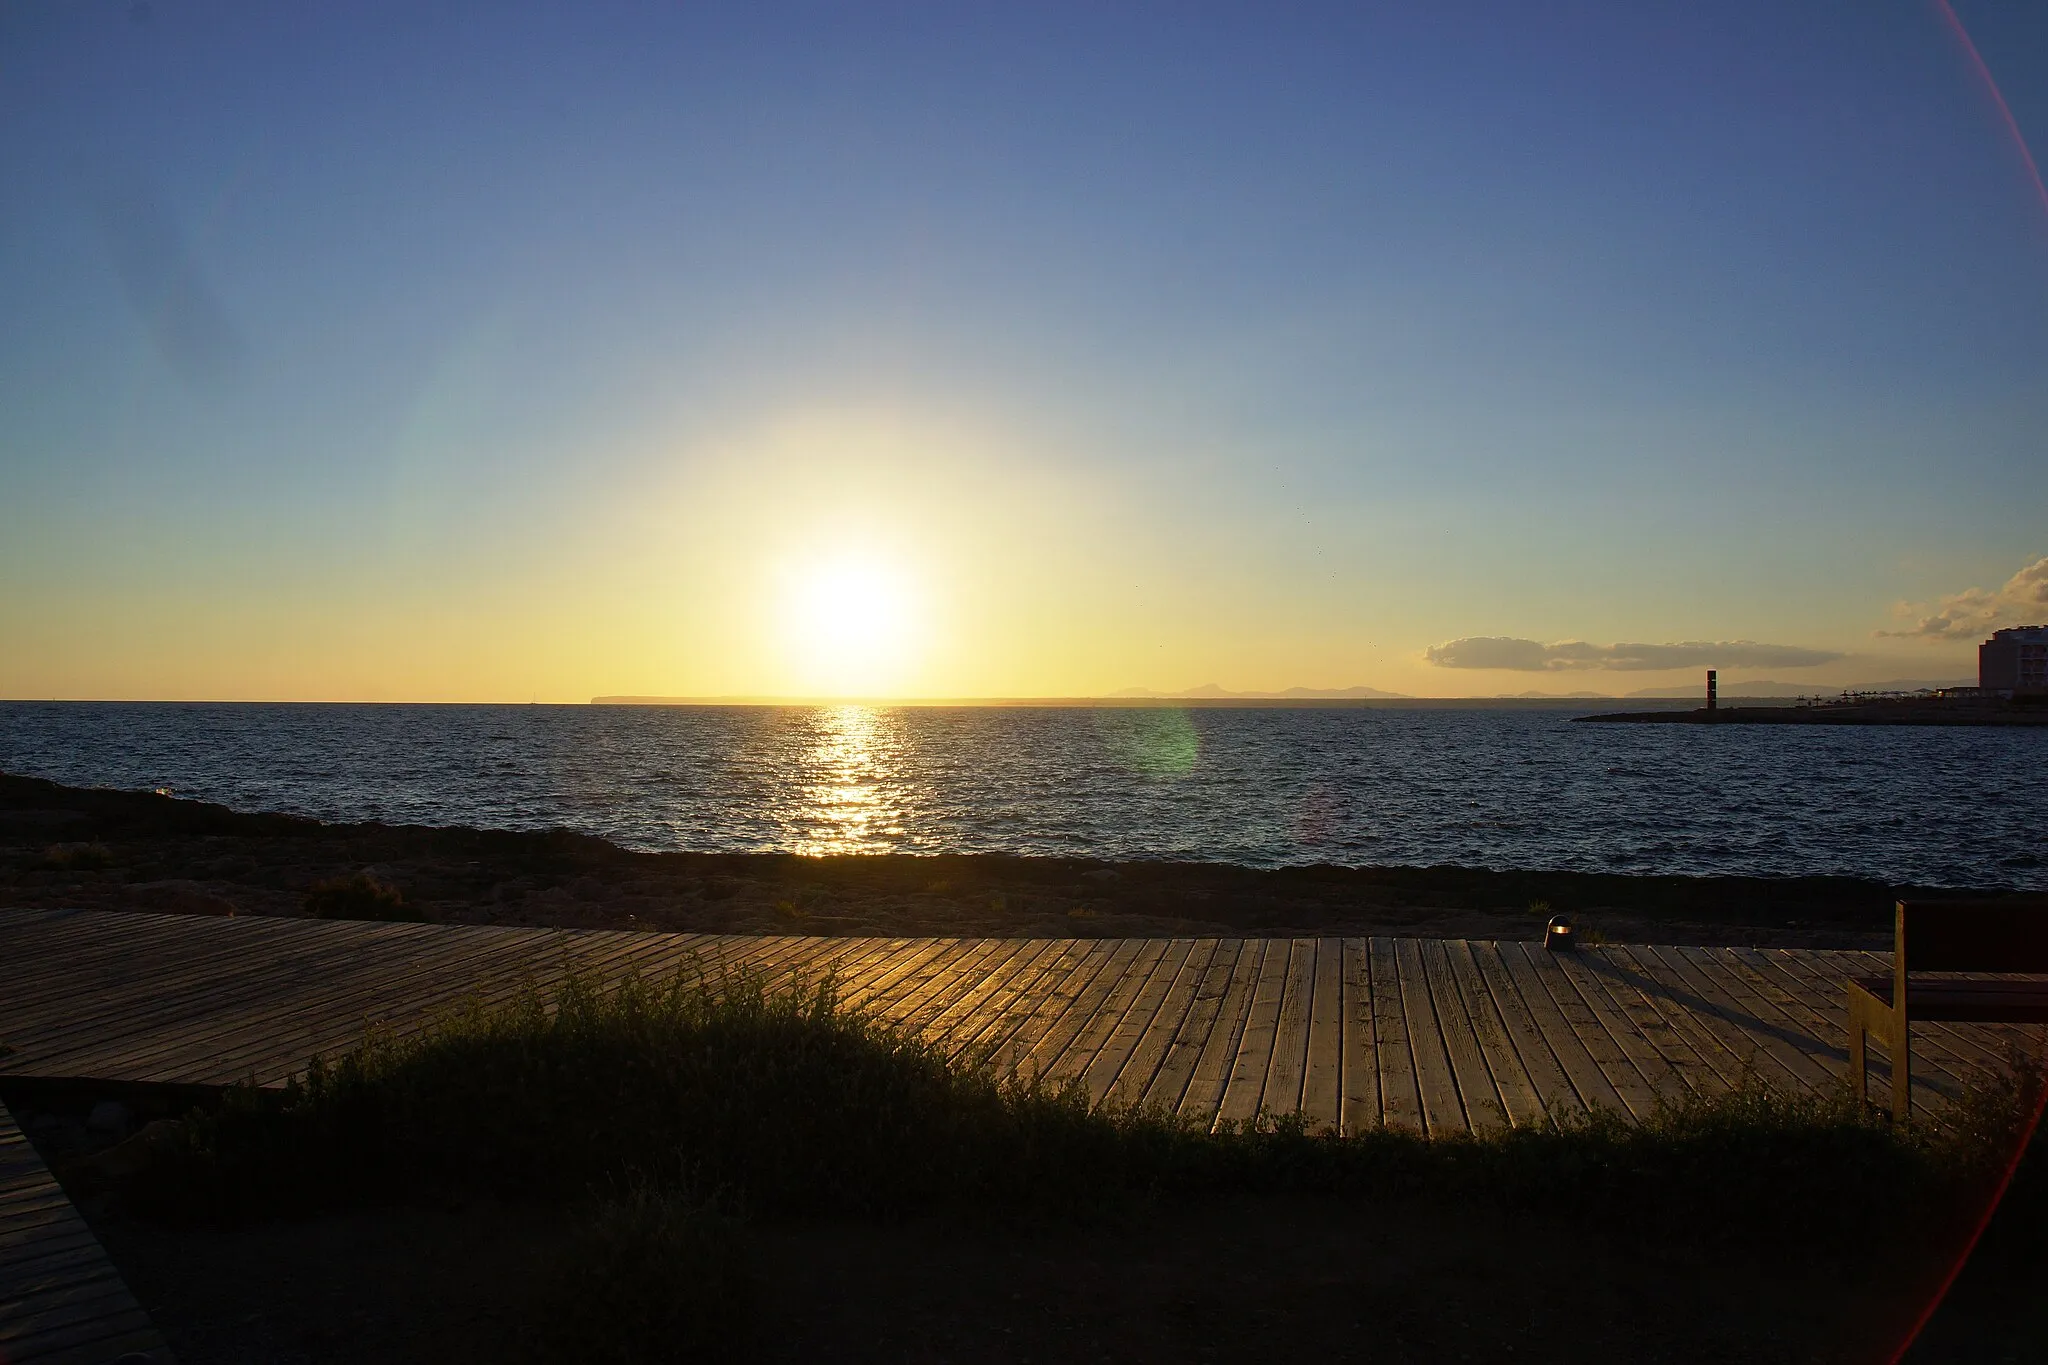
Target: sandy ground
1252,1280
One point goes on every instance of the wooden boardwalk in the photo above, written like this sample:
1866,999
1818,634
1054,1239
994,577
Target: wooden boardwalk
1437,1036
61,1300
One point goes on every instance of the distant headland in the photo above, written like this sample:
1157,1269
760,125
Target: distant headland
1927,710
2011,689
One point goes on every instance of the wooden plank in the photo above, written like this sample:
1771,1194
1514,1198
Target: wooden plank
1322,1084
969,983
1796,1050
1821,997
1457,1022
274,1025
981,1034
227,1030
1686,1071
1519,1099
1651,1080
1589,1084
1113,1025
945,980
1203,1098
815,963
57,1287
122,952
1134,1076
1938,1074
903,966
1724,1050
1170,1085
1716,1017
137,955
1637,1093
852,963
1287,1073
88,1005
1988,1042
954,1029
1443,1109
1361,1080
1108,1058
1086,1008
275,1040
73,1252
1399,1085
1012,1037
1243,1095
311,972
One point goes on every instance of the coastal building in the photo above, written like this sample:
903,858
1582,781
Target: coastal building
2014,661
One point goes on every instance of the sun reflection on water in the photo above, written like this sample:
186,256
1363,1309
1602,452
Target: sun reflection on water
849,799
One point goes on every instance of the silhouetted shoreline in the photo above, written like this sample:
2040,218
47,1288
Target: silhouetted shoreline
1906,711
66,846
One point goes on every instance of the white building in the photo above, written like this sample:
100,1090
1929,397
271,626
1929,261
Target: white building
2014,660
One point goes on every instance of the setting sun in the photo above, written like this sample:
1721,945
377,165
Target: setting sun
850,624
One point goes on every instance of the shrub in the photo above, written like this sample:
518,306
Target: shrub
792,1104
358,896
78,857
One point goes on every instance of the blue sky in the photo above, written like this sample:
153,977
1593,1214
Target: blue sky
503,351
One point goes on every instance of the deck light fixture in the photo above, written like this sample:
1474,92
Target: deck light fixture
1557,935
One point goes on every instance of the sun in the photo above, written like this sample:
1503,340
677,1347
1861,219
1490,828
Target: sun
850,624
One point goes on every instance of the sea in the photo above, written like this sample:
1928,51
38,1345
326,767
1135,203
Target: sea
1512,787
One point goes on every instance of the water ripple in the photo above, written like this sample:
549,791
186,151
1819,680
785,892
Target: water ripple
1496,788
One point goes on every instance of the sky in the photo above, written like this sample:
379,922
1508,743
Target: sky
500,352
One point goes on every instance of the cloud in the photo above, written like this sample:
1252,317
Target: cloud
1530,656
1975,612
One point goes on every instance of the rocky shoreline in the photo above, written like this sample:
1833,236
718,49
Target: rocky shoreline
91,848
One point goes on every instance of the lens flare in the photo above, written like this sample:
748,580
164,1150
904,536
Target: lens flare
1984,78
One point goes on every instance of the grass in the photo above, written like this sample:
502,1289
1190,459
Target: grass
787,1102
359,896
670,1110
78,856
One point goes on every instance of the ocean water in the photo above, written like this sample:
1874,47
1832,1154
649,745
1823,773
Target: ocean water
1503,788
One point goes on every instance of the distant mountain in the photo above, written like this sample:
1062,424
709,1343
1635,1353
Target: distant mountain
1805,689
1554,696
1212,692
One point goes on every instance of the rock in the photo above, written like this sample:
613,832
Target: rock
178,897
41,821
1102,874
109,1116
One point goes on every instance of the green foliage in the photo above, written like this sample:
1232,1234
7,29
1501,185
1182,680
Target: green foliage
358,896
791,1104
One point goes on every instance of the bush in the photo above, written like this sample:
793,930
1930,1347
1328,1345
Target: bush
790,1104
358,896
78,857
